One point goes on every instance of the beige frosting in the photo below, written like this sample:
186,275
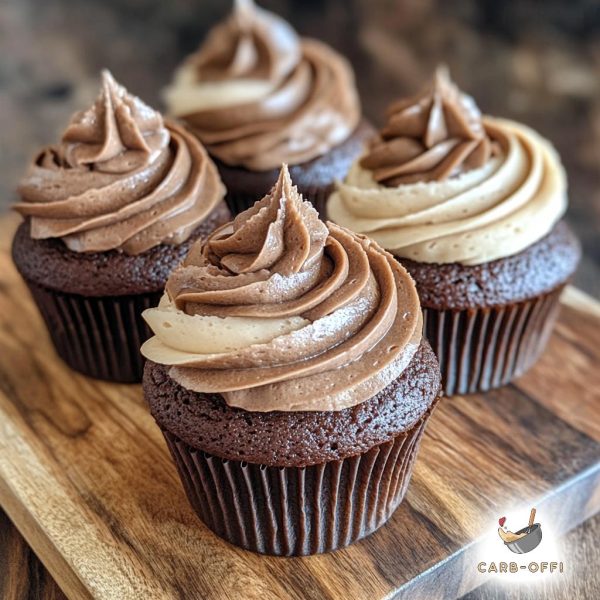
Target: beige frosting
279,311
121,179
481,215
256,94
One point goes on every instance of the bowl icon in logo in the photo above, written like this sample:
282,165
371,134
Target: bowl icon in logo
524,540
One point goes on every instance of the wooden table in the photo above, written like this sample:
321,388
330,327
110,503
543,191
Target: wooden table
25,578
536,66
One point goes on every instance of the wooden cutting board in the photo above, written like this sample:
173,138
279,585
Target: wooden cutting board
85,476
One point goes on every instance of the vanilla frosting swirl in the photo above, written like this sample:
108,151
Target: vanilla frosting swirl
279,311
495,211
256,94
431,136
120,179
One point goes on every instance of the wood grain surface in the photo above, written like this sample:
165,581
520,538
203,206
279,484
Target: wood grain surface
85,476
25,578
22,576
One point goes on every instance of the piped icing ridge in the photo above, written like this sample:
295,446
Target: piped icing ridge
256,94
494,210
120,179
270,308
251,44
429,137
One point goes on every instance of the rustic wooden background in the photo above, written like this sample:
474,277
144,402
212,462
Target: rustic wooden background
538,62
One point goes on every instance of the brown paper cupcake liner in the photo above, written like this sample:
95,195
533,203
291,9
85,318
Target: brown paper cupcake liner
486,348
296,511
239,202
97,336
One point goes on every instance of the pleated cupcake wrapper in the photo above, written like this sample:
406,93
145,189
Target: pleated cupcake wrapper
294,511
97,336
482,349
316,194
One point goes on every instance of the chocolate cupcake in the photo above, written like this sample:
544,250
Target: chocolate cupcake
109,212
257,95
290,379
472,206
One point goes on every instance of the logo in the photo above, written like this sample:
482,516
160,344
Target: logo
545,558
523,541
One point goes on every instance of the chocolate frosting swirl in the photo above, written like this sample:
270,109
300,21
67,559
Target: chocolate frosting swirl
432,136
271,307
257,95
121,179
252,43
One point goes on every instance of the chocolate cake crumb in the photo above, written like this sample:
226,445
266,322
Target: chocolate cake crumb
293,439
536,270
49,263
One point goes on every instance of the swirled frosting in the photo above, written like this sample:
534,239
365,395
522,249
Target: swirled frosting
256,94
431,136
279,311
120,179
478,212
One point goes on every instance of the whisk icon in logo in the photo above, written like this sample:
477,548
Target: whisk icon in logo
524,540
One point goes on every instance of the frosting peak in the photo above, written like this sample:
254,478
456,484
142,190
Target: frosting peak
434,135
120,179
280,233
271,307
256,94
250,44
116,134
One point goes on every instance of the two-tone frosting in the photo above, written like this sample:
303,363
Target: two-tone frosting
269,309
120,179
257,95
443,184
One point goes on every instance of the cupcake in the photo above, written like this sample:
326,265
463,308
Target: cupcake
473,208
109,212
257,95
290,378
